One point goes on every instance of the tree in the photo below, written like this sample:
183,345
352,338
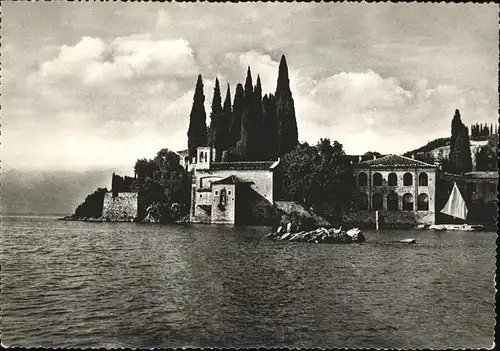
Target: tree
197,132
487,156
166,187
235,129
247,123
259,152
319,176
270,129
460,155
287,123
216,132
145,168
224,130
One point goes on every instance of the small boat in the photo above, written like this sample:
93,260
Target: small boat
456,208
408,241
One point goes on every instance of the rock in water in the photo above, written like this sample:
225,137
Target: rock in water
356,235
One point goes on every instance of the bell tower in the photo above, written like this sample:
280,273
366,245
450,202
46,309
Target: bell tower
203,157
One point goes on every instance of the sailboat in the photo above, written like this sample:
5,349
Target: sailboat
456,208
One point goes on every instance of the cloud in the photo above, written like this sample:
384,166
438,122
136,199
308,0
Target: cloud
385,78
95,61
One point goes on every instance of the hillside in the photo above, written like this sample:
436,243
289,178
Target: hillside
439,149
38,192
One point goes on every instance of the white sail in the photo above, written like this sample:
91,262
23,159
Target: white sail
455,206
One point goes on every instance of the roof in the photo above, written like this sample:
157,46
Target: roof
396,161
182,153
232,179
482,175
244,165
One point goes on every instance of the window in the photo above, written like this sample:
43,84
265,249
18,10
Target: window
392,180
423,202
377,202
229,192
201,195
407,202
363,201
423,179
492,187
216,192
363,179
377,179
407,179
392,201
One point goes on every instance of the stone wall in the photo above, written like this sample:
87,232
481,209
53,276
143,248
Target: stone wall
122,207
389,219
227,213
415,189
254,200
261,180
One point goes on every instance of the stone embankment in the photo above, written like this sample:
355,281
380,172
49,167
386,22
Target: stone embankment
92,219
320,235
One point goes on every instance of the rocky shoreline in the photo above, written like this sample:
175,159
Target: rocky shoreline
319,236
147,220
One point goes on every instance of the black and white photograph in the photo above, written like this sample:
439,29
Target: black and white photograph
248,174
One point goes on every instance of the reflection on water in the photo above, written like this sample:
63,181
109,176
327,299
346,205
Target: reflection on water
129,285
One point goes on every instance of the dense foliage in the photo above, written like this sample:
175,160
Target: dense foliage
481,131
487,156
92,206
434,144
257,127
460,155
197,133
319,176
216,131
287,123
163,186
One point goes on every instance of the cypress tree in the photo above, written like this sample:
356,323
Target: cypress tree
270,129
287,123
258,121
216,122
247,122
223,136
460,155
197,132
235,128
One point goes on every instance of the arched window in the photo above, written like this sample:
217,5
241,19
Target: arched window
377,179
392,179
407,202
377,202
363,201
362,179
423,202
423,179
392,201
407,179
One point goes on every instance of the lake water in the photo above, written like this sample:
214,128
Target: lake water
73,284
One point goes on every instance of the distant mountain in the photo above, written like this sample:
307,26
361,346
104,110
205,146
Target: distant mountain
58,192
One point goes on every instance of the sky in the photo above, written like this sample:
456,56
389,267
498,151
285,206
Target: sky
93,85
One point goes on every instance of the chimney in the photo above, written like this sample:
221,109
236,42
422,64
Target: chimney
374,157
359,159
413,156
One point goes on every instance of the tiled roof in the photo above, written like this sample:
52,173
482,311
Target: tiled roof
183,153
244,165
483,175
232,179
395,161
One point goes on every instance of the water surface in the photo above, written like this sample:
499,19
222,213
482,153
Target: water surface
75,284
